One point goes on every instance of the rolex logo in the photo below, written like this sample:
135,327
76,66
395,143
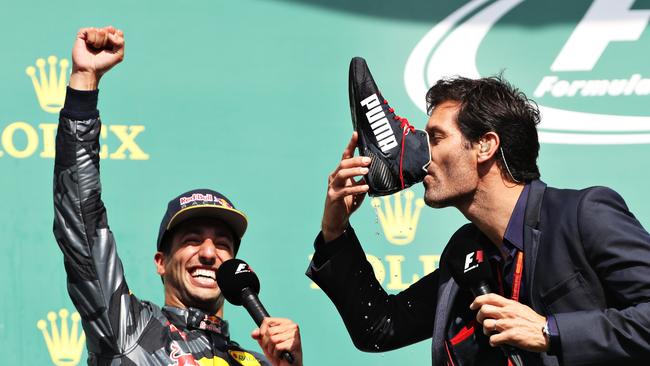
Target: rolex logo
49,84
64,341
399,219
20,139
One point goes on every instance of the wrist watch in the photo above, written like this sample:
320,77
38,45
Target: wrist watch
546,332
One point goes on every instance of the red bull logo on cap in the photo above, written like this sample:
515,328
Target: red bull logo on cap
199,198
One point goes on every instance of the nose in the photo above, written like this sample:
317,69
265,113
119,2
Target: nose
207,252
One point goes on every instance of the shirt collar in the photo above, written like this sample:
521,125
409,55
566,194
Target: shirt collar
515,230
192,318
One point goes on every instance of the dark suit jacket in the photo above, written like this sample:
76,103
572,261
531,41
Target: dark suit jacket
587,262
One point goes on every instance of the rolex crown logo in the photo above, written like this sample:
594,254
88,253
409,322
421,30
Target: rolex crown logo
49,85
399,219
65,343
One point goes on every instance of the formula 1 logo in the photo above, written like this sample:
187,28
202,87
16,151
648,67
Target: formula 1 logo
472,260
243,268
585,64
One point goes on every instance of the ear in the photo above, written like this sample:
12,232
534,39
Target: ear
159,260
487,146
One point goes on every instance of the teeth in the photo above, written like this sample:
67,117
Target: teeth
200,272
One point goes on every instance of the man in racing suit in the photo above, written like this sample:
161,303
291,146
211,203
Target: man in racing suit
119,327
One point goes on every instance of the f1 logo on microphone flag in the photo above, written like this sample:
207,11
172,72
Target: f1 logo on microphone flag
472,260
243,268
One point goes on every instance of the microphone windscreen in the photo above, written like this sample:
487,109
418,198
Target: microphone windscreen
468,265
233,276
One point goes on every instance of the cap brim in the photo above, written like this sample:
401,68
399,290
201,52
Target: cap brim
233,218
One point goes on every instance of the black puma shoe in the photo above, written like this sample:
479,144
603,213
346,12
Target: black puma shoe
400,153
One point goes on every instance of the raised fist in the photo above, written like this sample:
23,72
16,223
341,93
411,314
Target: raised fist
95,51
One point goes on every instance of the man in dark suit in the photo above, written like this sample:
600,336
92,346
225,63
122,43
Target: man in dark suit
571,268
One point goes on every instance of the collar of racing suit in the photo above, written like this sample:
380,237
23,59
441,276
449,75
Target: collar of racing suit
192,318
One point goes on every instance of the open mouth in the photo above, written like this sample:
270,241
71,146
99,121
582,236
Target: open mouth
204,277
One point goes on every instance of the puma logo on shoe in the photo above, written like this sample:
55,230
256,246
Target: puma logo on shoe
379,123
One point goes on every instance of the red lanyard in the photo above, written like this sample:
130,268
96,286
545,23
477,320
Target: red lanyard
516,282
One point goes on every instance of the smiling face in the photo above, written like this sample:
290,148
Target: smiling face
452,176
197,247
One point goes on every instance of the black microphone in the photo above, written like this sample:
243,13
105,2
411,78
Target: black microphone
240,286
471,270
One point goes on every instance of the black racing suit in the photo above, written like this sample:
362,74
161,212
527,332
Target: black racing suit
119,327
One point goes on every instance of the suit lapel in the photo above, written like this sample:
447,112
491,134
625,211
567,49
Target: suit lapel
446,297
532,234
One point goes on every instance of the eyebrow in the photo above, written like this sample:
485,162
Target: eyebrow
192,230
188,231
433,129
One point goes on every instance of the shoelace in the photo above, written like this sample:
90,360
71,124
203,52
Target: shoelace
406,128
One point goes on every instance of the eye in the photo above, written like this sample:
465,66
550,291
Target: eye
192,240
434,138
223,244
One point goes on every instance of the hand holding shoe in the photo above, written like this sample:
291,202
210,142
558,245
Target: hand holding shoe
344,194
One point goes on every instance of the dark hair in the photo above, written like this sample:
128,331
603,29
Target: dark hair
491,104
166,243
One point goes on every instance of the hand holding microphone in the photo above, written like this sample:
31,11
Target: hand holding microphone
511,323
472,271
278,337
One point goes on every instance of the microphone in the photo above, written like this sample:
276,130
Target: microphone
471,270
240,286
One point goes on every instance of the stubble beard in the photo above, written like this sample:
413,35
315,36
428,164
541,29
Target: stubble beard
196,298
206,303
437,195
438,199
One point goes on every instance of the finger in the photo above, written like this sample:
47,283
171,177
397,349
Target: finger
358,161
498,339
282,337
110,29
349,150
342,175
264,331
489,311
278,324
289,345
96,38
91,35
255,334
492,299
264,327
267,346
115,40
117,46
83,33
284,329
103,38
337,194
273,321
491,326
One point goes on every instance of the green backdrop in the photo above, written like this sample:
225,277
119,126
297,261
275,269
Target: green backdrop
250,98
